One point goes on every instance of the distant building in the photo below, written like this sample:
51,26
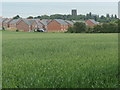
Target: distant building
74,12
45,23
13,24
39,24
27,25
5,24
1,22
57,25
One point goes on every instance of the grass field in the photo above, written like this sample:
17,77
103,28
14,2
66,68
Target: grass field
0,59
59,60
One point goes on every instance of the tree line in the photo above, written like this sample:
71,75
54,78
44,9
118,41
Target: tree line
79,27
103,19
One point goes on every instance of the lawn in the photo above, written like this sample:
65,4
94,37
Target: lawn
59,60
0,59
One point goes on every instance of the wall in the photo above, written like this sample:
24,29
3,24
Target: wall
22,26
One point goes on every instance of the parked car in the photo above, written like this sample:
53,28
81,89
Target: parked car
41,30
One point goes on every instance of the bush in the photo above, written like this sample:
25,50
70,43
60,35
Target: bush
89,30
102,28
17,30
106,28
78,27
97,29
70,30
109,28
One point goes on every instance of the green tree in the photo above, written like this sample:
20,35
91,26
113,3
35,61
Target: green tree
79,27
45,17
38,17
110,28
97,29
30,17
16,17
70,30
112,16
115,16
107,15
89,30
57,16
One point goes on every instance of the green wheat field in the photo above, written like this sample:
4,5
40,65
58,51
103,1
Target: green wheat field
59,60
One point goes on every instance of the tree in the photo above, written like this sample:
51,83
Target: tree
57,16
89,30
109,28
16,17
45,17
30,17
115,16
102,17
90,14
38,17
70,29
78,27
107,15
95,18
112,16
97,29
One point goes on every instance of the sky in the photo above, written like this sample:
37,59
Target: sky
60,0
25,9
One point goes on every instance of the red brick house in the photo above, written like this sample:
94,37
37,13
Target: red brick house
13,23
91,22
6,23
27,25
1,22
45,23
57,25
39,24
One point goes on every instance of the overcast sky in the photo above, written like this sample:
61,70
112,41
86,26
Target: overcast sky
60,0
8,9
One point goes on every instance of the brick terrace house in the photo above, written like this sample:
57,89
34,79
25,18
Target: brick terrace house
6,23
91,22
13,23
39,24
1,22
27,25
45,23
57,25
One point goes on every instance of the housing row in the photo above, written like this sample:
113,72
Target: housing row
29,25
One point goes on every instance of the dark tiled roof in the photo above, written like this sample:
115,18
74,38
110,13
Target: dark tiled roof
60,21
93,21
69,22
8,20
15,21
28,21
45,21
38,22
2,19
